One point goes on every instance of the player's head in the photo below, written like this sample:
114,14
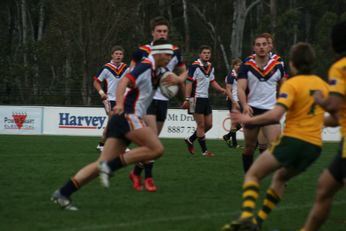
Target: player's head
162,51
159,28
260,46
338,37
117,53
302,58
236,63
205,52
270,40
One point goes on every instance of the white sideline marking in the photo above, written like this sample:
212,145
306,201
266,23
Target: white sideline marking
181,218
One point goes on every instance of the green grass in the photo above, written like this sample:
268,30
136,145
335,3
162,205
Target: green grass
195,193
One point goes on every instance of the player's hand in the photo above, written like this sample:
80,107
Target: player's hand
318,97
107,105
118,109
247,110
238,117
185,105
236,106
171,80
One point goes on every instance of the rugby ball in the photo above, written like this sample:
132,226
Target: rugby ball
168,90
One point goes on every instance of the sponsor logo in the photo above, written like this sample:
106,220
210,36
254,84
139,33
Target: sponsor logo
283,95
81,122
20,121
332,82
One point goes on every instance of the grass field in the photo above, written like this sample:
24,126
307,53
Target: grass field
195,193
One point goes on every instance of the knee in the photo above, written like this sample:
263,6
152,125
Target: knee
249,149
208,126
157,151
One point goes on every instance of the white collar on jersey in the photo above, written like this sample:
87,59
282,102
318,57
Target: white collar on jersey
201,63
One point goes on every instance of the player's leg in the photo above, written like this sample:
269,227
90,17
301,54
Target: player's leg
227,136
271,133
274,193
82,177
161,114
327,187
208,124
264,165
250,139
149,148
108,105
262,141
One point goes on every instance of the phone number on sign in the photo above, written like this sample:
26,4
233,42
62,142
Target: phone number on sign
180,129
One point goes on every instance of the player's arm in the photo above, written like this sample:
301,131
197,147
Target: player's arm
217,87
120,92
272,116
242,85
331,120
97,84
188,90
331,104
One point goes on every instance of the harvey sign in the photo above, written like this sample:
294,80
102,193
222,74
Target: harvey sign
74,121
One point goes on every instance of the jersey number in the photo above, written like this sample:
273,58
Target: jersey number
313,105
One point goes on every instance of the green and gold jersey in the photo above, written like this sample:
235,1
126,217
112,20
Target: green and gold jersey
337,85
304,119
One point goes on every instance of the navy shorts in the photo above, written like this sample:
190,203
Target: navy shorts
259,111
119,125
158,108
203,106
338,165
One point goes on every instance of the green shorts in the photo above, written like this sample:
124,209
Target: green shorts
295,153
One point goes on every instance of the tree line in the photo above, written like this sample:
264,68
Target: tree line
51,49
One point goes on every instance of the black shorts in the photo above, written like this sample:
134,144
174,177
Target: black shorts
203,106
159,109
338,165
259,111
113,103
118,127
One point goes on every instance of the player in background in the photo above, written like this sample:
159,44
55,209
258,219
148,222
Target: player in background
125,126
334,178
157,111
258,80
298,147
262,140
232,102
111,73
200,76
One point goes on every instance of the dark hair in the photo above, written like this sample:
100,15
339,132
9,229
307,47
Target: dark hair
204,47
303,57
236,61
161,41
338,37
117,48
158,21
259,36
267,35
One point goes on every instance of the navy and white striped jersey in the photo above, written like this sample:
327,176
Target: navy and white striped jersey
231,78
176,61
112,75
262,83
144,82
201,76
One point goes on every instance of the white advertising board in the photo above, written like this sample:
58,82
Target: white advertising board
179,124
83,121
20,120
80,121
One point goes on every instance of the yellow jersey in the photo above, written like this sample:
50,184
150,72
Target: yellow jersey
337,85
304,119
